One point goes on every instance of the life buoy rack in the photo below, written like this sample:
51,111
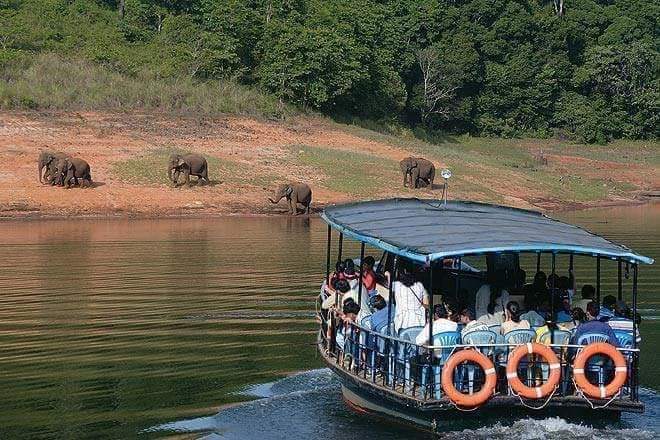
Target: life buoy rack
468,400
602,391
512,370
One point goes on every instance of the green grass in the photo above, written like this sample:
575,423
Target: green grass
353,173
50,81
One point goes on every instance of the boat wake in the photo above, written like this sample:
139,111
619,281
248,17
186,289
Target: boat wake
309,405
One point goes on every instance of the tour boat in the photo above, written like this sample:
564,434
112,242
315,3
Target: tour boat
453,247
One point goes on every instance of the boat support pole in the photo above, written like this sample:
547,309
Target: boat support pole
552,297
361,270
458,280
619,282
430,314
389,312
598,279
327,258
341,245
635,359
538,262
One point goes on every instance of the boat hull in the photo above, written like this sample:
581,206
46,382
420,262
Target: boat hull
366,397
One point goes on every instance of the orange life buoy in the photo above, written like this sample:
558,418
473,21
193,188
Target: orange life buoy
620,374
512,370
468,400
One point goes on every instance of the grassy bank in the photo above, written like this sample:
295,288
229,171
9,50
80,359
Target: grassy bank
51,82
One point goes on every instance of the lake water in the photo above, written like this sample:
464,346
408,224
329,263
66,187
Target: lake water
157,328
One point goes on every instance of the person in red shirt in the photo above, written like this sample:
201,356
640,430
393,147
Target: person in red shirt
368,274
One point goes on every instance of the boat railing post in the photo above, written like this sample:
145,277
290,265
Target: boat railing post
538,262
341,246
598,280
619,281
430,313
361,273
635,375
458,280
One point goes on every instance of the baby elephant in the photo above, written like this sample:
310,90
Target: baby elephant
298,196
72,171
188,164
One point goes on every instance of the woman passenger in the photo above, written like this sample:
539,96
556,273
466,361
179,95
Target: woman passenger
411,299
349,273
513,321
491,299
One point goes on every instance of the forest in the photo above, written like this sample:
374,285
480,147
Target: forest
578,69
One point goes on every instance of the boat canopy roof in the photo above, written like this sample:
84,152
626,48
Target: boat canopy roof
428,230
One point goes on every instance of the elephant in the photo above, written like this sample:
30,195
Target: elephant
47,160
188,164
298,196
72,169
418,171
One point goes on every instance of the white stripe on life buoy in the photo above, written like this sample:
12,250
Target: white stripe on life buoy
489,371
602,392
530,350
555,366
511,375
578,371
538,392
622,369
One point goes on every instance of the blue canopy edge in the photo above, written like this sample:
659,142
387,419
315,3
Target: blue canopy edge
426,230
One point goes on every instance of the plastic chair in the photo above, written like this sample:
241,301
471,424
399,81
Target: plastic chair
477,338
405,351
518,337
561,337
448,342
595,364
495,328
625,338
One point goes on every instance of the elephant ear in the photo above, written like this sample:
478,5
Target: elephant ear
68,165
180,162
288,191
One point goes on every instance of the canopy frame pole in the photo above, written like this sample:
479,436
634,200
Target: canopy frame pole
458,279
538,262
341,246
327,258
430,313
553,318
361,273
598,279
571,276
390,301
634,332
619,292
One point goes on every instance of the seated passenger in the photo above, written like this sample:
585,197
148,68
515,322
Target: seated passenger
577,317
541,331
513,321
620,322
341,289
411,300
531,315
441,324
564,314
379,317
565,290
469,324
607,310
349,315
368,275
593,325
492,298
536,288
338,274
361,298
588,294
349,273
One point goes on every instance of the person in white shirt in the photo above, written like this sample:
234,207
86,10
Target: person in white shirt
441,324
513,321
411,300
470,325
492,298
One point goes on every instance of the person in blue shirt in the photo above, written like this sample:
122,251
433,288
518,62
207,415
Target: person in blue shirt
379,317
593,325
607,310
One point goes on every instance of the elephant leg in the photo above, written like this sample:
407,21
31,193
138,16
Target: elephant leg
186,177
405,180
292,207
415,178
175,177
205,176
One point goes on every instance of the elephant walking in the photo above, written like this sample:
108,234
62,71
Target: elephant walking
417,172
298,196
47,160
188,164
73,171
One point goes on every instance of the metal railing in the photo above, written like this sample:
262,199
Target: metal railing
414,370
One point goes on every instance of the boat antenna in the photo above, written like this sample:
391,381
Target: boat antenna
446,174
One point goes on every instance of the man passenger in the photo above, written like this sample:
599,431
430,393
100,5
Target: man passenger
593,325
441,324
379,317
588,294
368,275
607,310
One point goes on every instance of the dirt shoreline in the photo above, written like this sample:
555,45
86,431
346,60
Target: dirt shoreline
249,157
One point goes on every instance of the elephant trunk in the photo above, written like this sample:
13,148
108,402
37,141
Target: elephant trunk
274,201
41,168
